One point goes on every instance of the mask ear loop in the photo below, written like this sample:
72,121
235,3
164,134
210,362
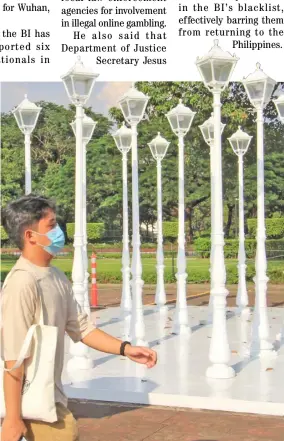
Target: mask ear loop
40,234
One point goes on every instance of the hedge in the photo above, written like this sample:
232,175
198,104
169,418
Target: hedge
95,231
202,247
3,234
274,227
170,230
202,275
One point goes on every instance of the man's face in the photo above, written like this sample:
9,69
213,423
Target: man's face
45,224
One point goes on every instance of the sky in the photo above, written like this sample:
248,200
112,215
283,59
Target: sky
104,95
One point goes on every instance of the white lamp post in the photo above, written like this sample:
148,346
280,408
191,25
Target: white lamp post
133,105
79,82
279,104
207,130
159,147
216,69
26,115
180,119
123,139
259,88
88,128
240,142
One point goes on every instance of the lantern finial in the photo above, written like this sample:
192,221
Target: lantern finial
26,96
258,66
216,42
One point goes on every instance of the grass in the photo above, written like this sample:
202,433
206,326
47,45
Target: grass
113,266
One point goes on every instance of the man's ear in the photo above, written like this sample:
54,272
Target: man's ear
30,236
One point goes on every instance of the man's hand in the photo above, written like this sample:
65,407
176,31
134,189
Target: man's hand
141,355
13,429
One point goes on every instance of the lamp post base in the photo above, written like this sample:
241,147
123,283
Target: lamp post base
220,371
179,329
161,308
262,349
126,320
181,320
80,358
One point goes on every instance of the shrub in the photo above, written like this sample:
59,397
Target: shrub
170,230
95,231
273,247
4,236
274,227
202,246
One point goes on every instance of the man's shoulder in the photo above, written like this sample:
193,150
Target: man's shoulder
61,275
19,282
20,276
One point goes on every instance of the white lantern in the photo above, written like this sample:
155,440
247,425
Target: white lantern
26,115
133,105
88,127
259,87
123,138
180,119
279,104
240,142
159,147
216,67
79,82
207,130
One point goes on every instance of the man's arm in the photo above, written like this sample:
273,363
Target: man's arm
12,390
103,342
13,427
18,312
79,328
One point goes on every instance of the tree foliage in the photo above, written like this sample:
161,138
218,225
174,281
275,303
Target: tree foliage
53,159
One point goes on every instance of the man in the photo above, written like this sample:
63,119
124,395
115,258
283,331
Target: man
31,224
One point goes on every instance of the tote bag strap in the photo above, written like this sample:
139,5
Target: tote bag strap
27,342
24,348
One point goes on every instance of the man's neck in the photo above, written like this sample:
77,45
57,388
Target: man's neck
39,260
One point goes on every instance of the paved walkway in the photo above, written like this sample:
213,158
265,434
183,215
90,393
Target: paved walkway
114,422
110,294
118,422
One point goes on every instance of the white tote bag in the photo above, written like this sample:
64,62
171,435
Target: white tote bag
38,402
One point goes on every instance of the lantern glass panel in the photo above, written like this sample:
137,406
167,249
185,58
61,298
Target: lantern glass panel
173,120
210,132
222,70
69,85
243,145
280,107
206,71
185,121
17,115
161,149
268,91
256,91
87,131
126,141
82,85
136,107
29,117
125,109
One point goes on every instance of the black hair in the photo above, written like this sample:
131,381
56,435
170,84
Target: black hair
23,213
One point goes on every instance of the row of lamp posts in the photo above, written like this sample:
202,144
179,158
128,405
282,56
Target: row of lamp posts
215,69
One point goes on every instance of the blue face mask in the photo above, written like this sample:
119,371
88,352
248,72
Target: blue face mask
57,239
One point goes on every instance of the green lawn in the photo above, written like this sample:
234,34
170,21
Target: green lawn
109,270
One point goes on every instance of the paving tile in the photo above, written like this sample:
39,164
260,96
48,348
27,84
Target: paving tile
114,422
